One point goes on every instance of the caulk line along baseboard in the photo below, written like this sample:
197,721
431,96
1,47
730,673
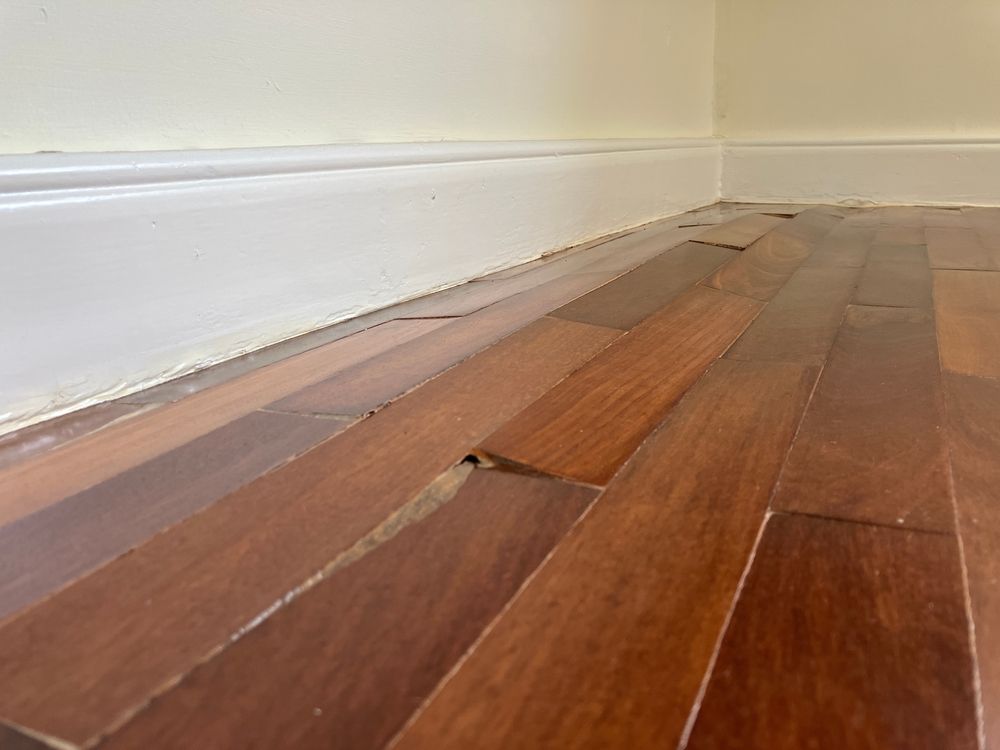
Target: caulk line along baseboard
124,270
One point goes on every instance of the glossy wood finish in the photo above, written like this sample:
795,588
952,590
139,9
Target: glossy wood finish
38,482
967,306
349,660
629,299
216,572
974,438
960,248
608,644
895,276
800,323
587,426
111,518
740,232
870,447
370,384
885,664
762,269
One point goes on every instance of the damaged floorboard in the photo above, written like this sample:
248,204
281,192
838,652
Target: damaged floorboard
690,485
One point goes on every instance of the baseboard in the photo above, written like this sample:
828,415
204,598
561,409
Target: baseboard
121,271
929,172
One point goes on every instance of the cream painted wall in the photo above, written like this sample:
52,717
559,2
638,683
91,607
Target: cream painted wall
145,75
858,68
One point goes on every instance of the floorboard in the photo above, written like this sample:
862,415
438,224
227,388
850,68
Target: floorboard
607,646
959,248
870,447
886,664
967,304
740,232
895,276
587,426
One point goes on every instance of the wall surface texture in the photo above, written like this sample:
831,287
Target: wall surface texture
107,75
788,69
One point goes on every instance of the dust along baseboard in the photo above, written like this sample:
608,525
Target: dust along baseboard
121,271
930,172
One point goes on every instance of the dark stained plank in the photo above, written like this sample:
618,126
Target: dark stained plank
763,268
44,436
606,647
587,426
958,248
845,246
740,232
967,307
902,234
352,658
635,296
32,484
895,276
800,323
48,549
370,384
12,739
974,438
870,446
845,636
120,635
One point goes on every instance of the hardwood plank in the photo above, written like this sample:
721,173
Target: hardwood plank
368,385
870,446
350,659
44,436
845,636
896,234
800,323
763,268
12,739
945,217
629,299
587,426
974,438
967,304
122,634
37,482
607,645
105,521
895,276
950,247
740,232
893,217
846,246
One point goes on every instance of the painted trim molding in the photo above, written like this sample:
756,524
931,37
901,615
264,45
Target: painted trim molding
863,171
121,271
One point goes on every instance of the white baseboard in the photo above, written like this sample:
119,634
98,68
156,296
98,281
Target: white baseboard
929,172
121,271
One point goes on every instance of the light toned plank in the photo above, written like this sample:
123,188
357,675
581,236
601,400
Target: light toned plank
870,446
967,307
845,636
587,426
122,634
31,485
608,644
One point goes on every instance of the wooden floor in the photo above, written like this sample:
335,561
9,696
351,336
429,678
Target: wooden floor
731,480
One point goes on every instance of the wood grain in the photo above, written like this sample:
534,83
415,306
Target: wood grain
631,298
35,483
607,646
845,636
762,269
44,436
800,323
845,246
352,658
118,636
974,438
967,304
587,426
870,446
107,520
739,232
959,248
370,384
895,276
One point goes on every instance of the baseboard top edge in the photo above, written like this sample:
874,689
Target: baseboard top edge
731,143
